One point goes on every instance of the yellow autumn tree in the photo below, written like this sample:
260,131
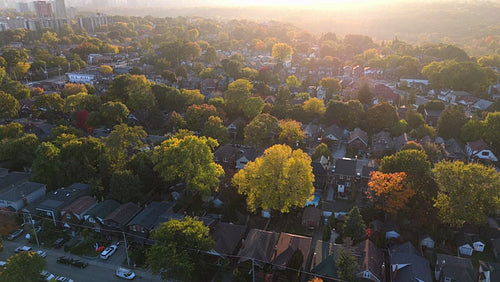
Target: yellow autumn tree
280,179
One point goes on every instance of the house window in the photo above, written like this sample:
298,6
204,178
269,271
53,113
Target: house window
485,153
134,228
68,216
91,219
143,230
366,274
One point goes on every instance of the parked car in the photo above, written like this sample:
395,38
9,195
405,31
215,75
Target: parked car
79,263
108,251
59,243
22,249
47,276
64,260
64,279
41,253
125,273
15,234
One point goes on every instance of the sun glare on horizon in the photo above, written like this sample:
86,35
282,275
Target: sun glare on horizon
303,3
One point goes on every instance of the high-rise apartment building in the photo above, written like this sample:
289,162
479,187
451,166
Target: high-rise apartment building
60,9
43,9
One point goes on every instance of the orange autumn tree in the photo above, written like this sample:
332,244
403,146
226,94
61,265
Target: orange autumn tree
389,191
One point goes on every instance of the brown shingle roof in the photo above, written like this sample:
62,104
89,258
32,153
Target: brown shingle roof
123,214
80,205
287,245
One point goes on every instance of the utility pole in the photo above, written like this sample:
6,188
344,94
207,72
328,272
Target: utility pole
34,231
126,249
253,270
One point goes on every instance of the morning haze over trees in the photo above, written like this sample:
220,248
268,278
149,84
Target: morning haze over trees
218,134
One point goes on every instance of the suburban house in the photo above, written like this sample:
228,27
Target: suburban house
311,217
383,92
323,261
11,179
344,175
408,265
227,238
17,197
431,117
358,139
371,261
334,134
57,200
96,215
119,218
247,155
74,212
312,132
258,245
400,141
141,225
285,247
451,268
478,150
452,150
489,271
226,156
381,144
482,105
464,244
320,176
392,230
427,242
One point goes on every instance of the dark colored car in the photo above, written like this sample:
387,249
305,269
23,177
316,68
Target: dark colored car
15,234
64,260
59,243
79,263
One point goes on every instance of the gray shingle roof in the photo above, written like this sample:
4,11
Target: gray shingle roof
461,269
21,191
103,209
149,215
345,167
411,264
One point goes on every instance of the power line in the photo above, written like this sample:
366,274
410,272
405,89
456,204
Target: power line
185,248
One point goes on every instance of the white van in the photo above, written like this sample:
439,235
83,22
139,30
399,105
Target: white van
125,273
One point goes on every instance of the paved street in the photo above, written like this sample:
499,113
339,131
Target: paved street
98,269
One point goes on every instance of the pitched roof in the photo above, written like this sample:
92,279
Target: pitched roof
64,196
123,214
12,179
318,169
370,258
19,192
287,245
482,104
226,152
103,209
493,268
80,205
461,269
359,134
149,215
227,237
452,149
478,145
258,245
335,131
345,166
367,170
407,264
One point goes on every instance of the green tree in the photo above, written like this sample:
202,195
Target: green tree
290,132
72,89
473,130
321,150
382,115
11,130
47,165
492,129
105,69
252,107
451,122
280,179
414,119
125,187
331,85
189,158
9,106
211,55
236,95
292,81
347,266
413,162
261,131
354,225
192,97
197,115
174,253
215,129
114,113
83,160
124,141
365,95
20,151
48,106
24,266
467,192
335,111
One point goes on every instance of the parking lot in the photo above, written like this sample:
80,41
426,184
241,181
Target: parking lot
97,270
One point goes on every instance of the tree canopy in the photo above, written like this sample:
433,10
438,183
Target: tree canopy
280,179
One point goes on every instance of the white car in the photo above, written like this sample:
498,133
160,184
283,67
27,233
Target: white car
108,251
47,276
64,279
41,253
22,249
125,273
